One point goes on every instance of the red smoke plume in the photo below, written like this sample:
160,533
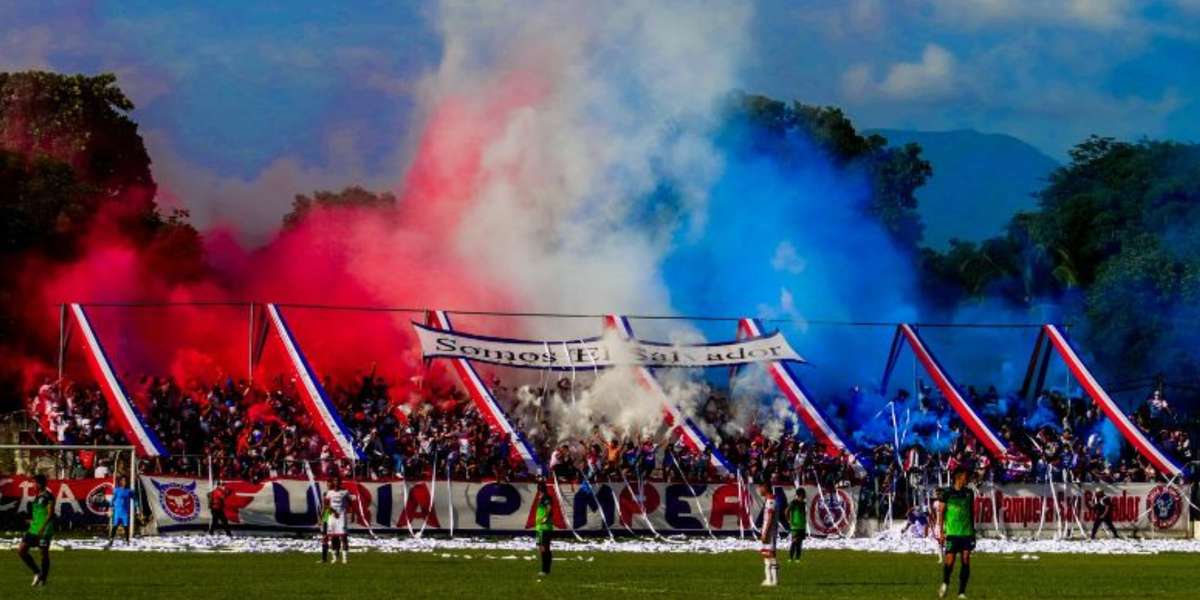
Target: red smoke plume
372,257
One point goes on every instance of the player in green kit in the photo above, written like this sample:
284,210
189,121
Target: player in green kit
40,532
543,526
797,524
957,516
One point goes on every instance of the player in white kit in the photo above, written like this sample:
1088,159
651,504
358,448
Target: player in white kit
335,520
769,535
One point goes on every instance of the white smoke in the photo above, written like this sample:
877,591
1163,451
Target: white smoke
615,98
611,403
624,93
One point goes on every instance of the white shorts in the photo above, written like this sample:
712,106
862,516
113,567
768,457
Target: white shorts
336,525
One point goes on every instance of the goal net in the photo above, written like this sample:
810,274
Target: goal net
81,479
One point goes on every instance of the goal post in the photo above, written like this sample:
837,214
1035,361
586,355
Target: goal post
81,478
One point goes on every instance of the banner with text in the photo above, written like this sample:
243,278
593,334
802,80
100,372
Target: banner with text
1147,509
77,501
496,508
594,353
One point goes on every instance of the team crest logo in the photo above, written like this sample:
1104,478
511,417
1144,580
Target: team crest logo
98,499
831,513
178,500
1166,506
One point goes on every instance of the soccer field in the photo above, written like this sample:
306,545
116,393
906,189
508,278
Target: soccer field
489,574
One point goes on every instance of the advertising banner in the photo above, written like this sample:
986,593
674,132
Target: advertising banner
495,508
1024,510
77,501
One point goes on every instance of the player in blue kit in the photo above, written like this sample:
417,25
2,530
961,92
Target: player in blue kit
121,507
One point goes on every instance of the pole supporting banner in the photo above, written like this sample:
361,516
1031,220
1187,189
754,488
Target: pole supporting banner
322,411
485,401
119,406
1128,430
798,397
992,442
691,433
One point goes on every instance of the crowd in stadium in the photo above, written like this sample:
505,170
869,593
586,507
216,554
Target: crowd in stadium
260,430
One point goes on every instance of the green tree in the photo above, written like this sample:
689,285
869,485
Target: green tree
68,153
768,126
80,120
1117,228
349,198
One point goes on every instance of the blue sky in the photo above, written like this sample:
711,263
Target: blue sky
259,100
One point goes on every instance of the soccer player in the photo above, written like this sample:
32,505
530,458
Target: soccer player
957,516
769,536
797,524
337,502
122,502
216,509
543,526
40,532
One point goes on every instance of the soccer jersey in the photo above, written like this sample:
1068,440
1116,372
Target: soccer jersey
797,520
960,512
41,514
337,500
770,526
120,502
335,520
543,521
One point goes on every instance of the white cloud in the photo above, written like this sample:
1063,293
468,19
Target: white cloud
1100,15
933,76
786,259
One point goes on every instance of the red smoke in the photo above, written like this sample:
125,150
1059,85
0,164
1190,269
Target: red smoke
372,257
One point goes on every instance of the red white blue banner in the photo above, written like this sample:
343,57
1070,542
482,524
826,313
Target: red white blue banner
797,396
323,413
1130,431
690,432
132,424
76,501
491,507
905,332
485,401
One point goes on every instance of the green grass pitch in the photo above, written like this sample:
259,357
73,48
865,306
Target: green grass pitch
821,574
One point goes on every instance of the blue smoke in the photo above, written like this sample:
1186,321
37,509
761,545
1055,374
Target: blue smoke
785,236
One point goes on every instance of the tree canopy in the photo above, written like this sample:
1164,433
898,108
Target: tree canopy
70,154
349,198
82,121
1115,228
895,173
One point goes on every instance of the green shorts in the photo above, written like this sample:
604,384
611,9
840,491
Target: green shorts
543,537
959,543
